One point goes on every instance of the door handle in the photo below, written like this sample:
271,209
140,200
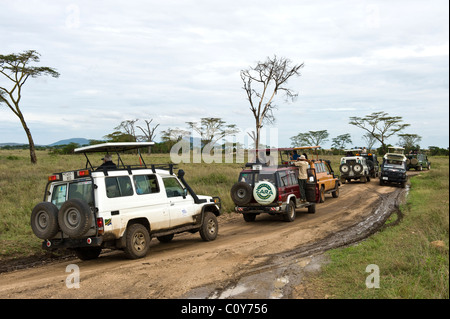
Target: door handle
171,204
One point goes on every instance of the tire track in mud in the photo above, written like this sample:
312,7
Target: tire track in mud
276,275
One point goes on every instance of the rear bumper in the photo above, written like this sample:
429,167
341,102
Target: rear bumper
52,244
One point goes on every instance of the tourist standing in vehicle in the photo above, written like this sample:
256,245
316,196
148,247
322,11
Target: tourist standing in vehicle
107,163
302,165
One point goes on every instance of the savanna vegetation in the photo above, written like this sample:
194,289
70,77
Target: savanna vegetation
411,253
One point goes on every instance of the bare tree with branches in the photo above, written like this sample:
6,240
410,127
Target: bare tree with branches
149,132
262,83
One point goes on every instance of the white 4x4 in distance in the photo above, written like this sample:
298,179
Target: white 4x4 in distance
121,208
354,166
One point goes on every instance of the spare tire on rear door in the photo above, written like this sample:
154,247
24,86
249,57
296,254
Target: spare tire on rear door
44,220
264,192
74,218
241,193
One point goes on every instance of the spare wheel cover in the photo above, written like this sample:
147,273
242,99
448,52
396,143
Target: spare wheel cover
264,193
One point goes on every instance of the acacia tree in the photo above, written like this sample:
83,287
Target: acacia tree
16,69
311,138
149,132
262,83
409,141
380,125
212,129
340,141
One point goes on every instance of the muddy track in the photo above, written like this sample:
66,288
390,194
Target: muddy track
263,259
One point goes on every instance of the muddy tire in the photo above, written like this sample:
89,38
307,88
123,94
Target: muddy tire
321,195
335,193
210,227
85,253
241,193
290,214
75,218
44,220
137,241
312,208
249,217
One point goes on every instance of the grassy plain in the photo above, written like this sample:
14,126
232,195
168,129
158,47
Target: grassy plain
411,263
412,256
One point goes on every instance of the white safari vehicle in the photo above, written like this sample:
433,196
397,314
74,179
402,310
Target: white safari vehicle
354,166
120,207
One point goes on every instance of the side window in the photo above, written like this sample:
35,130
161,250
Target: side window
283,179
173,187
118,186
146,184
293,178
59,195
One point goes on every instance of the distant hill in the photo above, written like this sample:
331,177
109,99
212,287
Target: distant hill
80,141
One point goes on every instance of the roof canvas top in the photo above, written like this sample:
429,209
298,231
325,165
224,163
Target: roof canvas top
113,147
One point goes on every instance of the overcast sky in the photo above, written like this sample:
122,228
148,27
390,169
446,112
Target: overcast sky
179,61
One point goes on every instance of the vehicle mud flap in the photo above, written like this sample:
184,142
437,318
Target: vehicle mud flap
310,192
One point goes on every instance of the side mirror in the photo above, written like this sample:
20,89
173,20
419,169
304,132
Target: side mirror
185,192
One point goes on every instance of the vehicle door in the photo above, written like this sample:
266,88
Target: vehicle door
181,204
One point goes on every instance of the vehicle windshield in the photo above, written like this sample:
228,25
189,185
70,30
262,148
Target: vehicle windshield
79,189
255,177
394,164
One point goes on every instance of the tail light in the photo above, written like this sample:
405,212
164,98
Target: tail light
83,173
100,226
55,177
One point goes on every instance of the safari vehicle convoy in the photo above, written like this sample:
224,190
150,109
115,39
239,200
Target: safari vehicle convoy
120,206
264,187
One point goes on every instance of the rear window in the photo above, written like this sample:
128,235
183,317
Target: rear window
80,189
254,177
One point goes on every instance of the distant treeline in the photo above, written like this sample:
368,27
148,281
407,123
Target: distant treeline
165,147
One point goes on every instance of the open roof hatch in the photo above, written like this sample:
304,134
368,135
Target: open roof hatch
112,147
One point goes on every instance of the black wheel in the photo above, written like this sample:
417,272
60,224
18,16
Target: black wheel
210,227
249,217
85,253
322,194
358,168
312,208
344,168
44,220
137,241
165,238
241,193
335,193
74,218
291,214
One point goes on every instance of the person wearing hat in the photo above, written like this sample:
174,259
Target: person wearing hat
107,163
302,165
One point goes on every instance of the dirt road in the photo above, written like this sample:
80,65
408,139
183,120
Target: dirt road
263,259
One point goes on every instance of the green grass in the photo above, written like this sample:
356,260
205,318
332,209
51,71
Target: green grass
410,264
